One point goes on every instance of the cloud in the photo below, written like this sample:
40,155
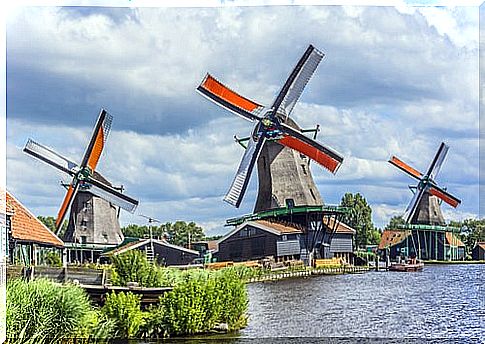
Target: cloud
394,81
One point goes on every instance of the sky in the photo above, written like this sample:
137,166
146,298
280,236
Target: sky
394,81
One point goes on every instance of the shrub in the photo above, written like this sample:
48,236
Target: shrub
45,310
53,259
133,266
234,298
124,310
203,299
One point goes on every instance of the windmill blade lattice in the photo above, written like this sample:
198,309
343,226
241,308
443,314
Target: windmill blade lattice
50,157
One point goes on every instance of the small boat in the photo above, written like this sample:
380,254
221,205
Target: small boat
410,265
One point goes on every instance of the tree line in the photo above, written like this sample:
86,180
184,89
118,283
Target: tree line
359,218
177,233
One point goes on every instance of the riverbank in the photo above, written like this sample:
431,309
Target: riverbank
453,262
199,301
272,276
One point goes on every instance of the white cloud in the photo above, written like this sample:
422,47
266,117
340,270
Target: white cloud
393,81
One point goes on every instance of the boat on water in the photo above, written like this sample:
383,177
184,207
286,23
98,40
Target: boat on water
407,266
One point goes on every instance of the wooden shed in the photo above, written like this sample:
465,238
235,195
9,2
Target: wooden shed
478,252
258,239
28,238
164,253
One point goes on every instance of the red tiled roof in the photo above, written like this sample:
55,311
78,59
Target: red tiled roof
26,227
390,238
481,245
452,240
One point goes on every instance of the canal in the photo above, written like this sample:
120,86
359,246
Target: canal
442,301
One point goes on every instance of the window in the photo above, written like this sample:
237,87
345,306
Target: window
284,237
290,203
313,195
84,223
83,239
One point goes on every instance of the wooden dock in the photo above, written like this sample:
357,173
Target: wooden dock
96,282
149,296
310,272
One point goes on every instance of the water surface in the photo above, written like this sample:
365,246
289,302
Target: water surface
442,301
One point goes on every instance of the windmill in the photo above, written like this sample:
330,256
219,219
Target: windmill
424,207
425,233
86,181
273,131
283,153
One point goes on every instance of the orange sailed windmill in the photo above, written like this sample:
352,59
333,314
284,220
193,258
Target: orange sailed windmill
425,233
274,137
92,199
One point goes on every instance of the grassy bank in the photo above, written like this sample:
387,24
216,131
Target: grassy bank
42,311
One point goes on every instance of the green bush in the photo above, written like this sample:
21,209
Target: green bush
124,310
234,298
53,259
45,311
203,299
133,266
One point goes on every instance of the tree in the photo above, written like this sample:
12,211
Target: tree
136,231
472,231
50,222
395,221
360,219
177,233
180,232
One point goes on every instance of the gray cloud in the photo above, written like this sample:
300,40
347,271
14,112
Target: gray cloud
392,82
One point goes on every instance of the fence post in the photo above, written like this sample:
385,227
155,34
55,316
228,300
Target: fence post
65,273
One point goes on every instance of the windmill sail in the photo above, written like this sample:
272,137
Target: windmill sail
440,156
405,167
111,195
98,140
298,79
66,203
445,196
243,174
50,157
230,100
312,149
413,205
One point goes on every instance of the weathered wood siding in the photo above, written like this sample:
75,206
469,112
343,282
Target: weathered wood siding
249,243
341,243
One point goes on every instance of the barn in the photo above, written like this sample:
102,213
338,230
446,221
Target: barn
258,239
28,239
478,252
164,253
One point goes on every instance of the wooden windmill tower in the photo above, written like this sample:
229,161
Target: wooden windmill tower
280,149
92,199
425,233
